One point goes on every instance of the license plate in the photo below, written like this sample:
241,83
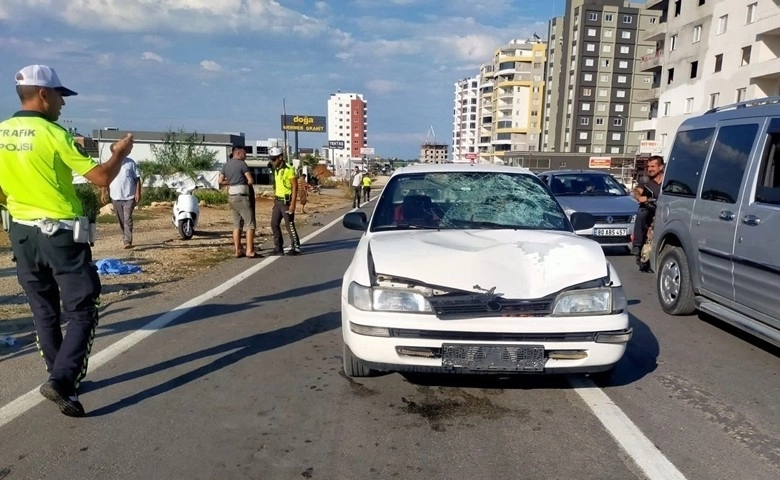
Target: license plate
610,232
497,358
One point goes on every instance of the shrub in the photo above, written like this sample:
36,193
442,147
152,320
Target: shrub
158,194
212,197
88,194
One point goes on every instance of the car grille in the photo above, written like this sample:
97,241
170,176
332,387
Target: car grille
610,240
615,218
481,306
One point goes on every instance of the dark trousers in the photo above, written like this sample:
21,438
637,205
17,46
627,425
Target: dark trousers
278,214
356,198
124,213
644,218
366,193
51,269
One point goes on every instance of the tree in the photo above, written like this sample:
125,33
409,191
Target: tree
180,153
310,160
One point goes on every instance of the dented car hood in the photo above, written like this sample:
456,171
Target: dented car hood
521,264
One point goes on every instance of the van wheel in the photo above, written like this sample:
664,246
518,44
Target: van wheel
352,365
673,282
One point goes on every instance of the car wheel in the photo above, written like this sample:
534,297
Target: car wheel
673,282
353,367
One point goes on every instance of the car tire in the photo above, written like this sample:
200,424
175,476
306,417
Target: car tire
353,367
673,282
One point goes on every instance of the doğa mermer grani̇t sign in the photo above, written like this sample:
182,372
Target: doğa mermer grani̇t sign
303,123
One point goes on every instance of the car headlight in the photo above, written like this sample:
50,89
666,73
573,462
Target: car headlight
596,301
632,219
387,299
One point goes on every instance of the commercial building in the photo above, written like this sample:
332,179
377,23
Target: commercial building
465,132
707,53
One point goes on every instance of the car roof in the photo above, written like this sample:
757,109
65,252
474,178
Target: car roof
459,167
574,172
761,108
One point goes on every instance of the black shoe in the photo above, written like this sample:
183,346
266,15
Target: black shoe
278,253
294,251
69,404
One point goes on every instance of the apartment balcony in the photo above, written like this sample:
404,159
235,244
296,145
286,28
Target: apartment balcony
645,125
647,95
655,32
651,62
769,69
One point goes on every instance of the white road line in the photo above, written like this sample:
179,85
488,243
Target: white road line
645,454
32,398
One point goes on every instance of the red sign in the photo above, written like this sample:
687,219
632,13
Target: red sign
471,156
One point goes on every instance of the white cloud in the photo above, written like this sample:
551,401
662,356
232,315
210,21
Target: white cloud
210,66
322,7
151,56
383,86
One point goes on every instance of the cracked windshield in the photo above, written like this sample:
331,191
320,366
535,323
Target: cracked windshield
466,200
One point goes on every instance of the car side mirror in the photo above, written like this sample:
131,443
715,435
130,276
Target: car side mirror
582,220
356,221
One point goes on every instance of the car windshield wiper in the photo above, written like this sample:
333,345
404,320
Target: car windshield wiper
485,225
404,226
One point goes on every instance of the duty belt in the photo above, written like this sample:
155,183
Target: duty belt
48,225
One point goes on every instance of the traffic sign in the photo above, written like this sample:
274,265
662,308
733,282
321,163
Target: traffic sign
336,144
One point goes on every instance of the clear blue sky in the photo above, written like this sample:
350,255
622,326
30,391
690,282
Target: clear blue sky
216,66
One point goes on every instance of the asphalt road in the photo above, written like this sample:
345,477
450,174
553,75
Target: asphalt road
248,385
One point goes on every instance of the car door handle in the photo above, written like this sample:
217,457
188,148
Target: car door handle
726,215
751,220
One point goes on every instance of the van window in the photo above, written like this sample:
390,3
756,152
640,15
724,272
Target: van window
768,189
686,161
728,162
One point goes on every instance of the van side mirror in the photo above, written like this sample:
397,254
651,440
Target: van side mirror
582,220
356,221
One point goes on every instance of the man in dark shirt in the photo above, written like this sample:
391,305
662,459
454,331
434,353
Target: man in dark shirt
646,193
236,175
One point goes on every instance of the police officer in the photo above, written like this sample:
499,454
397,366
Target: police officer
49,235
285,195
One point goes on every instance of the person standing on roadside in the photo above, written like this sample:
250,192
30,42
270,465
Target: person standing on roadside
357,184
236,175
366,187
125,193
49,234
285,196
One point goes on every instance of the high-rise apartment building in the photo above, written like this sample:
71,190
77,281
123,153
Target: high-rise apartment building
465,117
593,88
348,122
705,54
511,100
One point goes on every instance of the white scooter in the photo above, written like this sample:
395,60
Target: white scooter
186,210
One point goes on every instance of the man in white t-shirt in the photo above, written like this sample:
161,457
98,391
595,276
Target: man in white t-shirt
125,193
357,186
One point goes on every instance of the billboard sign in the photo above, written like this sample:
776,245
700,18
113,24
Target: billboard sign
303,123
599,162
366,151
471,156
649,146
336,144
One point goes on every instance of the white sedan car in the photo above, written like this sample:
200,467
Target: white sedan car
477,269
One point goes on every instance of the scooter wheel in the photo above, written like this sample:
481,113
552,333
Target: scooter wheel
186,229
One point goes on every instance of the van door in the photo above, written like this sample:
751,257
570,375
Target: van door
714,222
756,259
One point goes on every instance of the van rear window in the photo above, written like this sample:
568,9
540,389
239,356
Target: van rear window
683,171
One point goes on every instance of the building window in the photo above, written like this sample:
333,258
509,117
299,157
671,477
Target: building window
694,69
593,16
608,17
673,43
628,19
584,121
619,107
589,62
591,32
604,78
617,122
582,149
625,49
602,107
689,105
746,55
608,33
605,63
607,48
714,99
622,79
741,92
588,77
677,7
751,13
591,47
623,64
586,92
583,135
670,76
620,94
697,34
718,62
617,136
625,34
667,108
723,23
599,121
586,107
